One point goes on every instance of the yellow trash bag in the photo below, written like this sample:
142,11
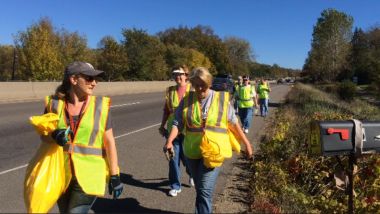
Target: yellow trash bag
45,176
234,140
211,153
45,123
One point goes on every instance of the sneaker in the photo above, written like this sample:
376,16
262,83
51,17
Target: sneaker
174,192
246,131
191,182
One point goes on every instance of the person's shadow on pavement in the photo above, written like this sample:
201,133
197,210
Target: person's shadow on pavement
125,205
162,184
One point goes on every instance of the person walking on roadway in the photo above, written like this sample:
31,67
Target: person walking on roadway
238,83
173,96
205,117
85,133
263,90
247,98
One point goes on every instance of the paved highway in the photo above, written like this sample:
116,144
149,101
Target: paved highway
143,167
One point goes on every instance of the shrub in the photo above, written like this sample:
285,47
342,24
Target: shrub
347,90
287,178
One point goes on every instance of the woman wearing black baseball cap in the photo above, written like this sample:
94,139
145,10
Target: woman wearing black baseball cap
85,133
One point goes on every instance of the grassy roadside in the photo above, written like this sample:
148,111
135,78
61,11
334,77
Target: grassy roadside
288,179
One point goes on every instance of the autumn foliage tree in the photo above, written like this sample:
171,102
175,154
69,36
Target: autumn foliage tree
146,55
113,58
38,52
42,52
202,39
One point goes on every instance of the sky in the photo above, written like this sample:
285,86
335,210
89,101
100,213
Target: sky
279,31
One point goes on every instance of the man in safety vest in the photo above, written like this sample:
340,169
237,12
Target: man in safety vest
173,96
247,98
263,90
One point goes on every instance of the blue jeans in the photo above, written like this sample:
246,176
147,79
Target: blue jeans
174,164
74,200
263,107
205,180
246,115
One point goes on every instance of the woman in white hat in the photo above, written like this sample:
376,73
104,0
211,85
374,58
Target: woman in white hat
173,97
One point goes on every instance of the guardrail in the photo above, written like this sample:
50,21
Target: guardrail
29,91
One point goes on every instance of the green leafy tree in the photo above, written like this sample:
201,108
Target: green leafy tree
112,59
330,45
360,55
39,54
240,54
146,55
202,39
6,62
73,47
374,56
257,70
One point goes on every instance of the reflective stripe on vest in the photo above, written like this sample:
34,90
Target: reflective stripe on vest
86,150
216,122
70,148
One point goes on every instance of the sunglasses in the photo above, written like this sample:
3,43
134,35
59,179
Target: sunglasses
89,78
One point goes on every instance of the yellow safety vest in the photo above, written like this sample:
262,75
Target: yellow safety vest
245,99
172,102
213,132
86,150
263,90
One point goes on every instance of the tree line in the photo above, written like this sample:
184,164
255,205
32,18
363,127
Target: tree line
340,53
41,52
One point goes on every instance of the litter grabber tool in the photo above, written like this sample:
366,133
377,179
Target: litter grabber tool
169,153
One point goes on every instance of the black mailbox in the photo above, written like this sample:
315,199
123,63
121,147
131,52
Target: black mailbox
329,138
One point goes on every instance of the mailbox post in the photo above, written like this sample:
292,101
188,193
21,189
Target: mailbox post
352,138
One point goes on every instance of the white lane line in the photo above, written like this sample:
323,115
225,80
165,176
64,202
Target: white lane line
126,104
139,130
123,135
10,170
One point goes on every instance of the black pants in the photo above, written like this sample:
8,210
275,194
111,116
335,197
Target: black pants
74,200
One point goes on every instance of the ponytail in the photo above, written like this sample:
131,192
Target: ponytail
62,91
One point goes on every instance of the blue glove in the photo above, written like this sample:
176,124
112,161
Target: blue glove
61,136
115,187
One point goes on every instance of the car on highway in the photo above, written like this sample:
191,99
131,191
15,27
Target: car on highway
223,82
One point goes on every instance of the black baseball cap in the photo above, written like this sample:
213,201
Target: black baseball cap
81,68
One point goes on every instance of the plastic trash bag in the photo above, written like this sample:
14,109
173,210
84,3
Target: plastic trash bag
45,176
235,144
211,152
45,123
234,139
214,149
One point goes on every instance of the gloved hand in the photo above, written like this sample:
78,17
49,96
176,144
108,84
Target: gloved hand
163,132
115,187
61,136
